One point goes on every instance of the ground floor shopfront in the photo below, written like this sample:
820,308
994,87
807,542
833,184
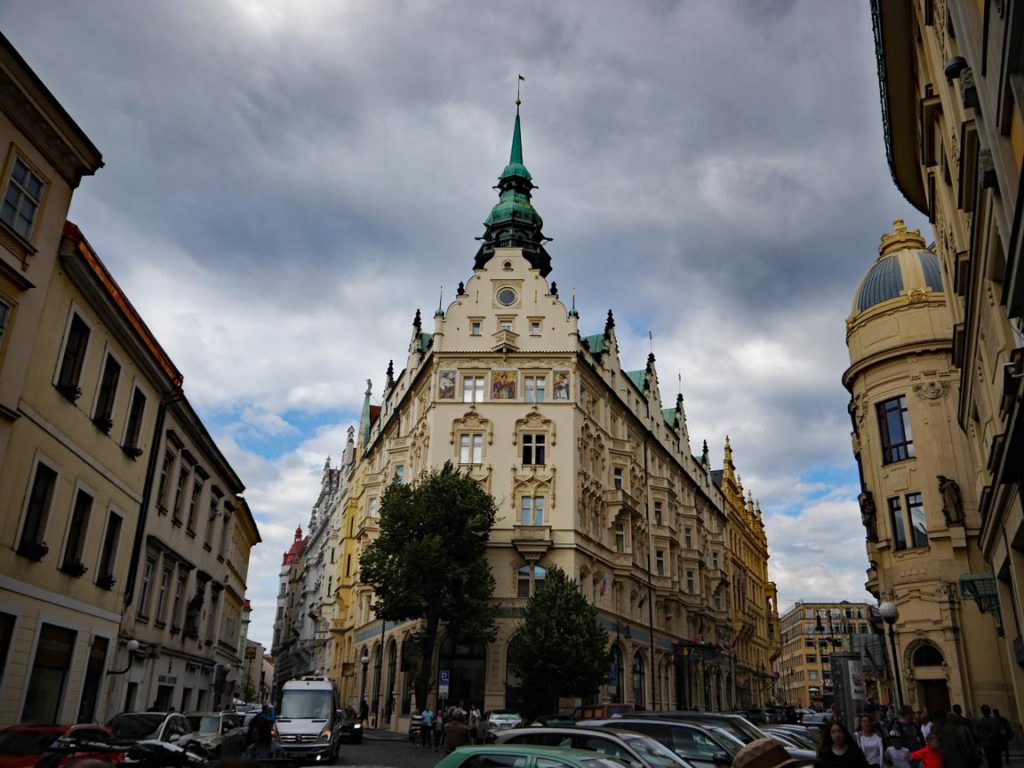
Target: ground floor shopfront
54,655
683,675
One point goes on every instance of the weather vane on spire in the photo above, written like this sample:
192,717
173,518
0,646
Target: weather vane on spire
520,80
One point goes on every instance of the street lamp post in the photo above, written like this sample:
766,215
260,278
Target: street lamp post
365,661
890,615
819,628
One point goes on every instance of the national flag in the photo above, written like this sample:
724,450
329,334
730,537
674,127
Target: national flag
604,581
522,78
642,600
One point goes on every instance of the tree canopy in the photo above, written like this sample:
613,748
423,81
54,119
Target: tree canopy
560,649
430,562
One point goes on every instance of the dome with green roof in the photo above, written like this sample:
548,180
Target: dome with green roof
513,221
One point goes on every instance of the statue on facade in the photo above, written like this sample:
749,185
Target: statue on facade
952,502
867,515
195,605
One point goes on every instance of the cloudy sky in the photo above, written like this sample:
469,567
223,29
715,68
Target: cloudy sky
286,183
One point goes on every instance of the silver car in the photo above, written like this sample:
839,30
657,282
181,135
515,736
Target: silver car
633,748
498,720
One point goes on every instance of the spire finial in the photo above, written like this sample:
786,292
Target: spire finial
440,301
516,156
519,101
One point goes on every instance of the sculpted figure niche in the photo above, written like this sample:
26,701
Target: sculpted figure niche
867,515
952,502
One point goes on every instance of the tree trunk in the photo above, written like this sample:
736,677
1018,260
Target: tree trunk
425,675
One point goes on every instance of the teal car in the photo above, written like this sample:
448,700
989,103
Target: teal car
526,756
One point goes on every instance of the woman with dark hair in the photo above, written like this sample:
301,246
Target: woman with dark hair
870,743
839,749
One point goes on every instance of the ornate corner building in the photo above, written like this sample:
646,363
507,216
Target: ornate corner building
917,501
953,115
591,474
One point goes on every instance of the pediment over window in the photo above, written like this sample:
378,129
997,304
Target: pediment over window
534,421
472,421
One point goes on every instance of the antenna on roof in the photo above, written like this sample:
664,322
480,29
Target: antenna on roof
650,336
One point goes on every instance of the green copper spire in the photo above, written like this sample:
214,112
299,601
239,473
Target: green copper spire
513,221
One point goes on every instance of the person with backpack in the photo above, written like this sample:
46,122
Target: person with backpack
956,742
1007,730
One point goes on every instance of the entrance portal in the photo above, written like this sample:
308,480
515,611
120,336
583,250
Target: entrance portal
466,665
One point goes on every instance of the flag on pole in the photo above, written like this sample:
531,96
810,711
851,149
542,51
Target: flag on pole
522,78
604,585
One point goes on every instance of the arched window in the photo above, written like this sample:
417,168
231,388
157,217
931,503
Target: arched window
927,656
615,676
389,700
638,681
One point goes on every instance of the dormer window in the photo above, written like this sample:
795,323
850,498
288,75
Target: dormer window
474,328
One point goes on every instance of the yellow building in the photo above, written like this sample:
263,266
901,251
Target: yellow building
918,503
590,473
811,632
753,598
954,131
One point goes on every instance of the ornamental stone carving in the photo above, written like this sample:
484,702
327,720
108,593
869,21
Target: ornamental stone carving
931,390
952,502
868,515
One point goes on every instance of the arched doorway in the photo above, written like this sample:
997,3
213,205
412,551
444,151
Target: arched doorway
639,682
513,683
929,666
466,664
616,676
389,696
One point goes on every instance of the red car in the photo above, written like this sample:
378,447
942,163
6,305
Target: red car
22,746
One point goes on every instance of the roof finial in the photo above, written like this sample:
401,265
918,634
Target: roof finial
518,100
516,156
440,301
573,312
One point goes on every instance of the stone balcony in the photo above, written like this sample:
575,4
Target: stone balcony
531,541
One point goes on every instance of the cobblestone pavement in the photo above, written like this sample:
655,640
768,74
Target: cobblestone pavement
386,749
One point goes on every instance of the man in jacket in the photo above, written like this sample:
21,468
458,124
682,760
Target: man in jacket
955,740
990,736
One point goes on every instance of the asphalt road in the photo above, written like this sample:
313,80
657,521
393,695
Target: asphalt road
386,750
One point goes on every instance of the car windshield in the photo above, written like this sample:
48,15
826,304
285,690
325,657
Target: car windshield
504,716
804,739
25,742
136,726
306,705
729,741
654,753
738,727
204,723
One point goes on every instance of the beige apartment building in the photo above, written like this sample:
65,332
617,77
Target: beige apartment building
811,632
753,597
184,607
591,474
918,501
74,476
949,72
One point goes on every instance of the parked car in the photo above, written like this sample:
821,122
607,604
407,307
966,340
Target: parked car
632,747
736,725
168,727
600,711
22,746
526,756
497,720
220,733
697,745
816,718
554,720
808,738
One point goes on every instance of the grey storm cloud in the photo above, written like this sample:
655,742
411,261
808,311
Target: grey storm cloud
286,182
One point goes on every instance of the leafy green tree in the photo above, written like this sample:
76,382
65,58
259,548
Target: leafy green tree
560,649
430,562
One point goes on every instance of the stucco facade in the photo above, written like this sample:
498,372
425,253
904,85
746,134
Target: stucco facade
954,128
918,502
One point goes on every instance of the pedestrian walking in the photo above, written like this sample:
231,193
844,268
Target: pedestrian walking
1007,730
364,711
415,726
930,754
839,749
438,729
456,732
955,742
910,734
427,727
474,724
990,737
924,722
896,756
870,743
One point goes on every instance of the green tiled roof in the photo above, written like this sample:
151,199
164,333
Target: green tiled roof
639,378
596,343
424,342
671,416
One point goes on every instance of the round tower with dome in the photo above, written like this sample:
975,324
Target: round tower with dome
917,500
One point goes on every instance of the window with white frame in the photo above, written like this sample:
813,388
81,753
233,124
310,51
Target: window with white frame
193,505
535,328
472,389
147,585
165,473
531,510
688,538
690,584
474,328
617,474
620,537
657,513
21,201
529,579
161,595
102,416
179,495
534,446
37,511
471,449
534,387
